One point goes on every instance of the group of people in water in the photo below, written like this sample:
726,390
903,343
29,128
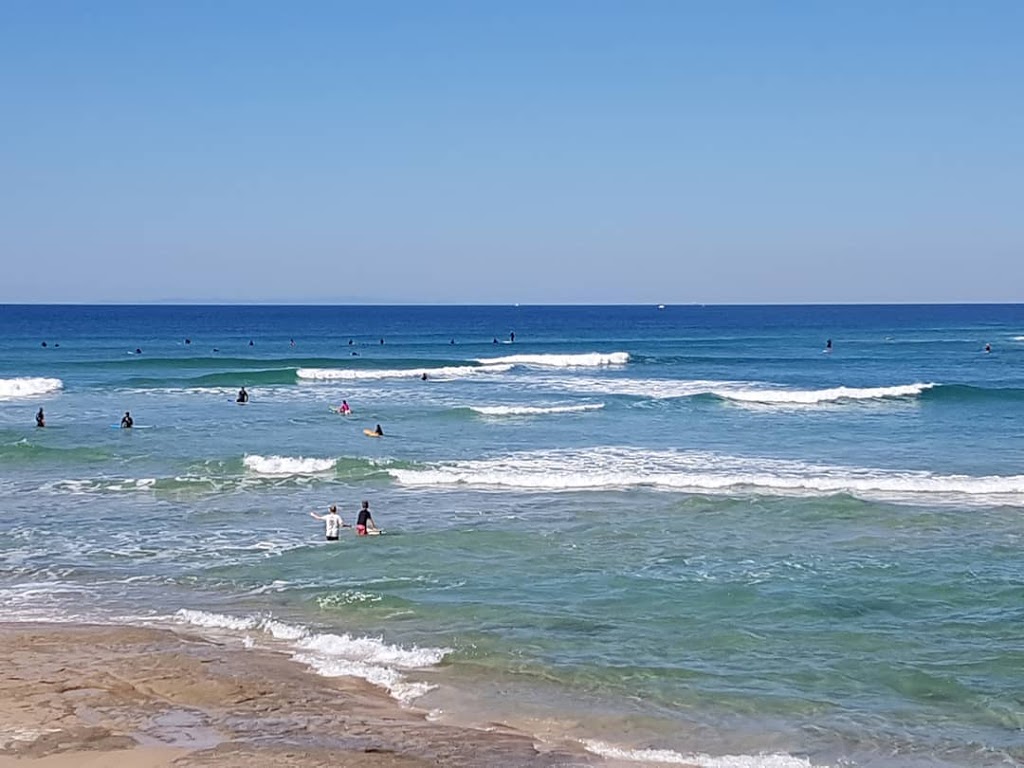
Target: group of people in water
365,526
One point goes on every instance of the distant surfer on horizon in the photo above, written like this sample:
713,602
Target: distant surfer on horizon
828,345
332,523
40,419
127,421
243,396
988,348
511,337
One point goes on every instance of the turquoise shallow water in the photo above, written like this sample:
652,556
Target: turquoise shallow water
687,530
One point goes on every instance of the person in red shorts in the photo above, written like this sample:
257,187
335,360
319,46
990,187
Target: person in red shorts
364,523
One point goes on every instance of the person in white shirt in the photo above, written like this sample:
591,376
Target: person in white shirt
332,523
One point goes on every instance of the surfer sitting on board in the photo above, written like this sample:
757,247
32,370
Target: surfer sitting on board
332,522
364,523
127,421
243,396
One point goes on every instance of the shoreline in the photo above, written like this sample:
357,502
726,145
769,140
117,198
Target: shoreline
86,695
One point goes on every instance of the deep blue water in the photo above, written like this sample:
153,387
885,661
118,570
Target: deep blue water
689,529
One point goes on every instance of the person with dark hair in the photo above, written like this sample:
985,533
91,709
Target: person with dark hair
364,523
127,421
40,419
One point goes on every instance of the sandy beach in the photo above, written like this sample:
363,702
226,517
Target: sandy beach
101,696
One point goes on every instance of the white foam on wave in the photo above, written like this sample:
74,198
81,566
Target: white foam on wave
738,391
99,485
585,360
332,655
706,472
362,374
28,386
533,410
287,465
668,757
815,396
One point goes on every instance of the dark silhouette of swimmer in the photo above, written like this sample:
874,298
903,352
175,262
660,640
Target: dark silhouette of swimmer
988,347
293,342
40,419
57,344
250,342
138,351
188,341
350,342
494,340
378,431
243,396
44,344
382,341
452,342
127,421
512,336
828,345
424,376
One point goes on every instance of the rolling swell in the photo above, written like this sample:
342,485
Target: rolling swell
966,393
249,378
26,452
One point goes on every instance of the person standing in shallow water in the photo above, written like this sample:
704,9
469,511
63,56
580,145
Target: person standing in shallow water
40,419
364,523
332,523
127,421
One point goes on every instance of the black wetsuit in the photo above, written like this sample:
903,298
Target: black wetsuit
364,515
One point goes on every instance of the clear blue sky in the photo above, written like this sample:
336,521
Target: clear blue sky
581,151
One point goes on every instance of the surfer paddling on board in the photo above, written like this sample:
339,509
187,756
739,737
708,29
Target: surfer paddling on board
364,523
332,523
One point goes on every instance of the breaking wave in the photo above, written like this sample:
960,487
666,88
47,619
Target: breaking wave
586,360
533,410
706,472
331,655
362,374
27,386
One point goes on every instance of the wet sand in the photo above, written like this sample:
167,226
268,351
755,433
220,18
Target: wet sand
76,696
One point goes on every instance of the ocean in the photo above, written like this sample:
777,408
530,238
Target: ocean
689,533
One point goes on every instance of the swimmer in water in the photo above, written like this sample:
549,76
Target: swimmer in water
243,396
40,419
127,422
